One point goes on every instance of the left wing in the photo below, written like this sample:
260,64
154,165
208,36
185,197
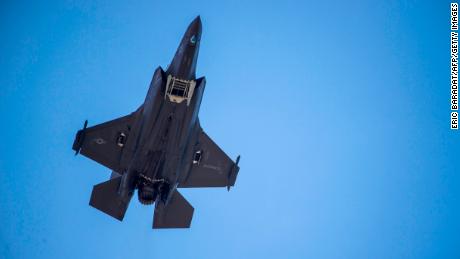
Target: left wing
104,143
211,166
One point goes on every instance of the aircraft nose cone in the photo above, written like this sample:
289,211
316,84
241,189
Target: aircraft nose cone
195,27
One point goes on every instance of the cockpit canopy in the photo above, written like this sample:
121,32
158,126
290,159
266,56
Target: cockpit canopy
193,40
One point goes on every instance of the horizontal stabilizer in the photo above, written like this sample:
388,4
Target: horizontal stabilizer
105,198
177,213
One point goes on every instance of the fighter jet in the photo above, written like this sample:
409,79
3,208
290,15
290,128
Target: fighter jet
160,147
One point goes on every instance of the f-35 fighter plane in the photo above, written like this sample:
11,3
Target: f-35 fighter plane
160,147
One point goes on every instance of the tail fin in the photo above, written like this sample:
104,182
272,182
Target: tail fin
105,198
177,213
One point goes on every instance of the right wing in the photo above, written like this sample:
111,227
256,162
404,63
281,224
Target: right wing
104,143
213,168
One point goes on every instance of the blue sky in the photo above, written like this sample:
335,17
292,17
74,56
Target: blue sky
340,110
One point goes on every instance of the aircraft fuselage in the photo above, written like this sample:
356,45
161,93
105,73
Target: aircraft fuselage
166,124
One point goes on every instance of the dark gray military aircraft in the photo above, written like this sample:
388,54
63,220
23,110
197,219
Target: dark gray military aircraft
160,147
